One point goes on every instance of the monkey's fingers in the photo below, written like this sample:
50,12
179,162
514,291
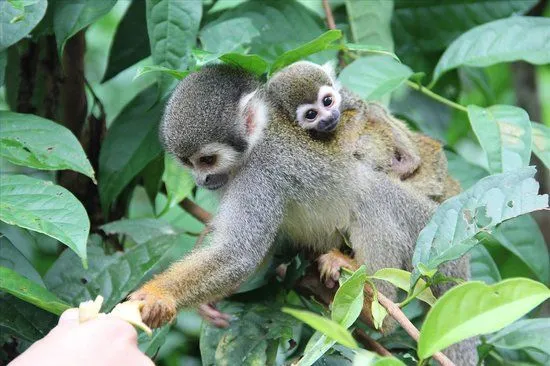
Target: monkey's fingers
329,266
157,309
215,317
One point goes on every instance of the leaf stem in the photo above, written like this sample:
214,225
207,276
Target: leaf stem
435,96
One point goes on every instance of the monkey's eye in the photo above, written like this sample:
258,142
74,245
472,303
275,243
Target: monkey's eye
311,114
208,160
327,101
186,162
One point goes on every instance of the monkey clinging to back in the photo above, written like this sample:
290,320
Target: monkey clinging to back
287,181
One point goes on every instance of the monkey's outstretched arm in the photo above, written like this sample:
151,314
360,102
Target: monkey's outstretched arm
243,232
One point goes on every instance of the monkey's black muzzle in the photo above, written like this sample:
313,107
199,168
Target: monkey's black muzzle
329,124
215,181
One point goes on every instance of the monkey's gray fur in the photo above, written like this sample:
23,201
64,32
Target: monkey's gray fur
288,181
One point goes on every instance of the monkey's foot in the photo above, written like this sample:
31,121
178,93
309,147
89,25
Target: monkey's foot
215,317
329,265
158,308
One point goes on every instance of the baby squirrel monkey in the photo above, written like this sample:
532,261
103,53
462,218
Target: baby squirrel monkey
276,178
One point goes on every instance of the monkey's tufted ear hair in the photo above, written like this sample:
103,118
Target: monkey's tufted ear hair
330,68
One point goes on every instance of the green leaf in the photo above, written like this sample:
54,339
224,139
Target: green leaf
140,230
506,40
370,48
3,65
179,182
321,43
69,17
151,345
402,279
367,358
316,347
47,208
527,333
21,319
482,266
39,143
326,326
374,76
12,258
370,22
474,308
378,313
541,142
23,288
348,301
494,199
131,143
267,28
253,63
131,41
431,25
29,17
173,73
504,132
249,340
466,173
523,237
173,26
112,276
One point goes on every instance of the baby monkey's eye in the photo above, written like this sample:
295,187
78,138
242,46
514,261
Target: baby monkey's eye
208,160
327,101
311,114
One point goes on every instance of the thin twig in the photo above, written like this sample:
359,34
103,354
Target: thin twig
196,211
328,12
369,343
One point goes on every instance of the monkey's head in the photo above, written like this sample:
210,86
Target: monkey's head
307,93
210,123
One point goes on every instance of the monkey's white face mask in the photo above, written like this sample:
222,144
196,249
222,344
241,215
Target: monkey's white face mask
324,114
215,164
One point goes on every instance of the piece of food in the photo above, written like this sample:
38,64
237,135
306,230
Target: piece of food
89,309
130,311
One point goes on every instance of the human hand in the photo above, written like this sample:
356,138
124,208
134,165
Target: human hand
106,341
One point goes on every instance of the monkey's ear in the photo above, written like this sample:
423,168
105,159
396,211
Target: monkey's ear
245,99
330,68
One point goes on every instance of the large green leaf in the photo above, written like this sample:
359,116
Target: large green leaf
522,237
16,23
69,17
12,258
150,345
370,22
248,341
173,26
140,230
374,76
466,173
452,229
112,276
431,25
504,132
253,63
267,28
25,289
402,279
179,182
348,301
131,41
39,143
505,40
482,266
41,206
324,325
321,43
131,143
21,319
474,308
527,333
316,347
541,142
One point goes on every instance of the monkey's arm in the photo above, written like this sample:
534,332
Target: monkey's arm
243,232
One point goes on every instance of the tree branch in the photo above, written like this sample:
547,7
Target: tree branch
196,211
328,12
369,343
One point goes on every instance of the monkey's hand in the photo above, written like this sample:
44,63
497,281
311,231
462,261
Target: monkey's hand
213,316
159,307
329,265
